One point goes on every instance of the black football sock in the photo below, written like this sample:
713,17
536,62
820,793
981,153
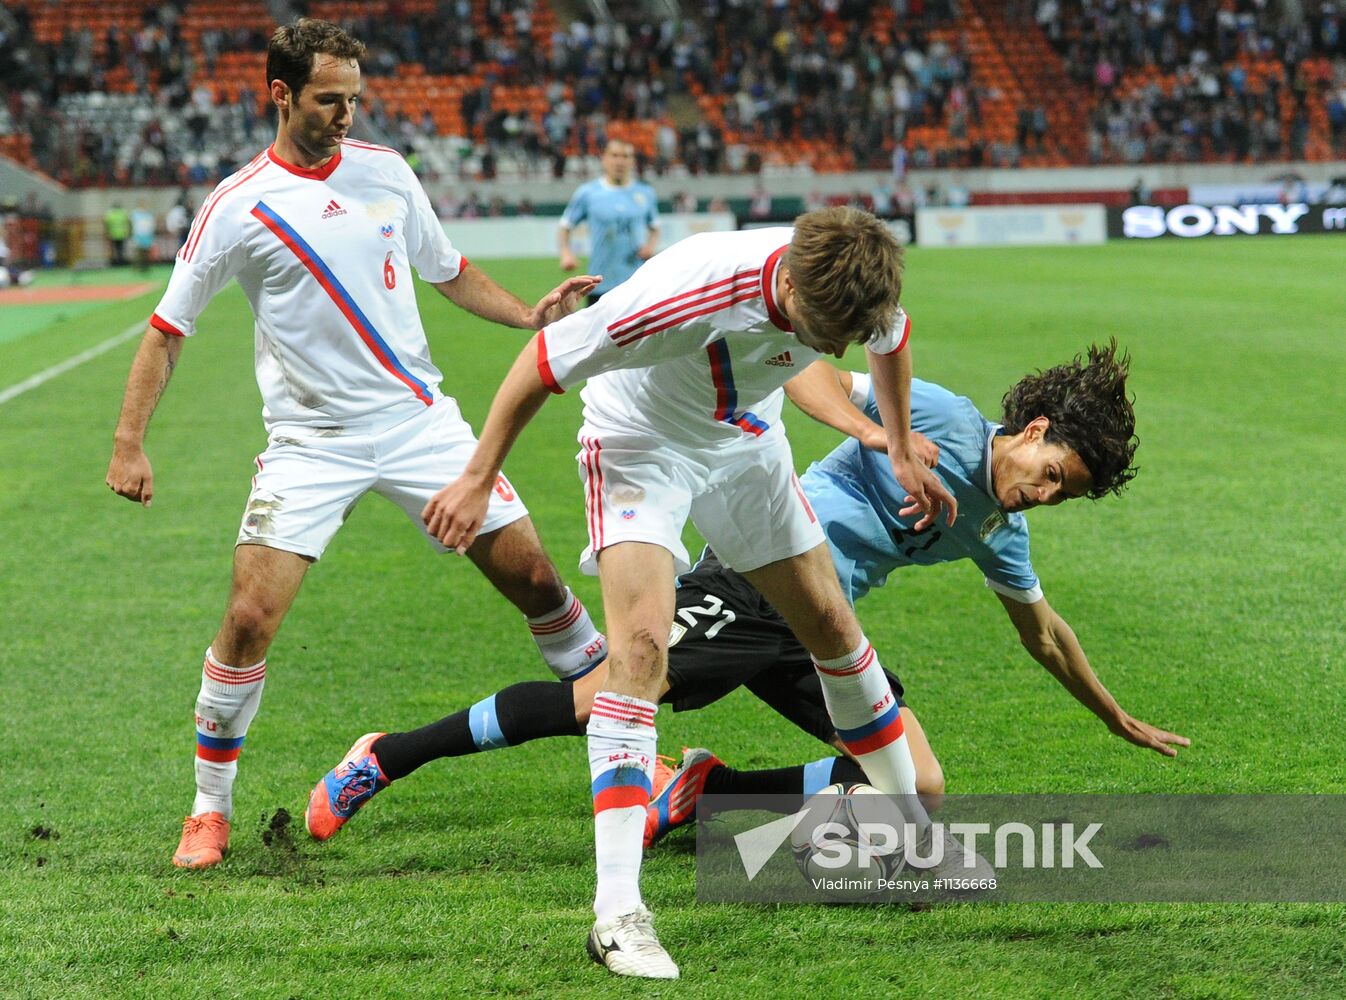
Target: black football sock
532,710
791,784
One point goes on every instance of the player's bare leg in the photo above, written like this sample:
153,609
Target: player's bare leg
513,559
264,586
638,601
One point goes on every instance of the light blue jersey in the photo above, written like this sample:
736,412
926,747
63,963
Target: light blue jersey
857,499
619,219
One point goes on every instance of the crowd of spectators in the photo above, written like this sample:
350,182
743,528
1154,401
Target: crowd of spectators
1167,80
1195,80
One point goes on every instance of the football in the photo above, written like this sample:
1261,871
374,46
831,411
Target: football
849,841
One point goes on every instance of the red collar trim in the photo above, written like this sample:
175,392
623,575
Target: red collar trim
773,311
315,174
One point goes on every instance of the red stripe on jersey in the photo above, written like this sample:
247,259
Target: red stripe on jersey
254,168
625,320
544,366
163,326
906,333
660,320
358,144
641,333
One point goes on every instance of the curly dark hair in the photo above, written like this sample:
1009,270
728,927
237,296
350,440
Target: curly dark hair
1089,410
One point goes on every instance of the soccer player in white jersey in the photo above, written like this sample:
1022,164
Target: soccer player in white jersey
685,361
322,233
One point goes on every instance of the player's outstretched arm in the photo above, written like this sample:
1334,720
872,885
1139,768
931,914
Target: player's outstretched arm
129,473
454,515
475,291
892,392
1052,643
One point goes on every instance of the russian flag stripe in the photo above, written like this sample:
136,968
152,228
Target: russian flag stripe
877,734
726,394
623,775
343,300
613,328
219,743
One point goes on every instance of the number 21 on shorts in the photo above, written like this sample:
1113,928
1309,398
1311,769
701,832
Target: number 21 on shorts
389,274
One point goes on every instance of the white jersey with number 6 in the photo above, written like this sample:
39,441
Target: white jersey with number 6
324,257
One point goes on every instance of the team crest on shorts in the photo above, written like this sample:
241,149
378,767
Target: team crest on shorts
628,514
386,230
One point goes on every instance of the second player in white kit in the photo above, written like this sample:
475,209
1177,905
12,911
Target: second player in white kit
323,234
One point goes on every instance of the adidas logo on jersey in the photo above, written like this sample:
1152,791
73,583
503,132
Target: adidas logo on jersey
781,360
333,210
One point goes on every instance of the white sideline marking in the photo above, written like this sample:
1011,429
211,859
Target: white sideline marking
46,375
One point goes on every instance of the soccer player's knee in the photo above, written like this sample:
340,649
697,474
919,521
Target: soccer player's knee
646,657
930,783
252,622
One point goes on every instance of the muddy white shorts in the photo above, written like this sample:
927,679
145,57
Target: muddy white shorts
743,497
307,486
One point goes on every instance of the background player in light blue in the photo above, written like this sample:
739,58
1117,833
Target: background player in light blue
623,219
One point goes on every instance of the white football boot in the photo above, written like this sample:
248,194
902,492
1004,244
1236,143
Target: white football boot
627,945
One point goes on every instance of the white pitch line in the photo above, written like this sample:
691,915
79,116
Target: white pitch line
46,375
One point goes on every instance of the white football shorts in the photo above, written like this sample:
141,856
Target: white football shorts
305,488
744,499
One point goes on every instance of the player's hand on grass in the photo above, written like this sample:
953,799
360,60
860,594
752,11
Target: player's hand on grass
129,475
563,300
454,515
1142,734
924,489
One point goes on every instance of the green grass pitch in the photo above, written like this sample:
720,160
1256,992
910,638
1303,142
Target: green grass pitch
1209,598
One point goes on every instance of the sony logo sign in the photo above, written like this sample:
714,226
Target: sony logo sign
1148,221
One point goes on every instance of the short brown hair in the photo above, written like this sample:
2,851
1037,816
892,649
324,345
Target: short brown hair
846,267
289,56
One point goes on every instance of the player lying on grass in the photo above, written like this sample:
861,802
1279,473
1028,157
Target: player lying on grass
1067,433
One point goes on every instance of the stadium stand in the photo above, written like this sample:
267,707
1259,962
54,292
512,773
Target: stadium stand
100,92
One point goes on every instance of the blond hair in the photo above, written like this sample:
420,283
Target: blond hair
846,268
